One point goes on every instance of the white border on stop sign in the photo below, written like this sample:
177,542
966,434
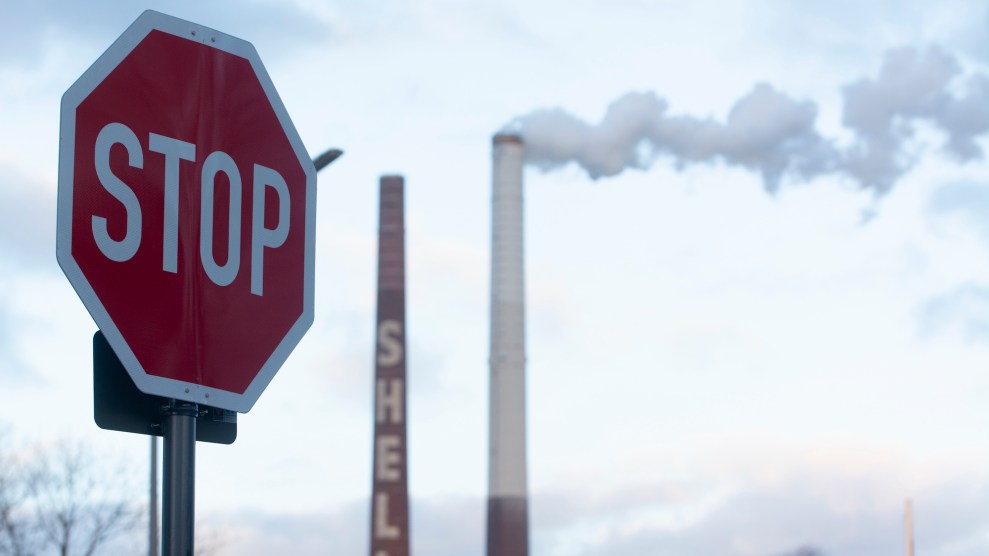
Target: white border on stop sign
108,61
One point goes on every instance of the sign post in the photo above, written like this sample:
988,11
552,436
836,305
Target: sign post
186,224
153,500
179,504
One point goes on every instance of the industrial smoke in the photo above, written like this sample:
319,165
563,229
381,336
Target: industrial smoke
774,135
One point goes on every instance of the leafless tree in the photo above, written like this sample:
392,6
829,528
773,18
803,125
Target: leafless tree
61,500
804,551
209,541
79,503
14,527
67,500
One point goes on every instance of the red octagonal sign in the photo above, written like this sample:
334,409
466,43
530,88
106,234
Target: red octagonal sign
186,212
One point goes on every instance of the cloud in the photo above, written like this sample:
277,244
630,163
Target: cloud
774,135
842,502
388,21
28,28
27,221
913,86
254,533
965,202
440,527
964,308
27,243
14,370
449,526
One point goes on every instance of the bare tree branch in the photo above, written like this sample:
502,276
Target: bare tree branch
804,551
78,504
14,528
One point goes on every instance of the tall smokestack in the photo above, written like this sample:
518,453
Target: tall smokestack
390,486
908,526
508,505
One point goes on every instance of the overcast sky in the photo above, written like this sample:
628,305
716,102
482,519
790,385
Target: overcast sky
757,268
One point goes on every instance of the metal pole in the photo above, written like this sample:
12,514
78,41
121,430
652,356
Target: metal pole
179,504
153,501
908,511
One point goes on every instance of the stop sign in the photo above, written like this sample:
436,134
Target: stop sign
186,212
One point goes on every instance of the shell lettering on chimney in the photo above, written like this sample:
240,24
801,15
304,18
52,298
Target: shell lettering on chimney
390,350
390,490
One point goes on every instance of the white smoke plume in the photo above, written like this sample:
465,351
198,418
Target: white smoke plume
775,135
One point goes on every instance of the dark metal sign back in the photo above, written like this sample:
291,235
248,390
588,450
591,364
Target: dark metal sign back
118,405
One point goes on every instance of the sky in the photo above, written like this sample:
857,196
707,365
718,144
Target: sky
757,266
